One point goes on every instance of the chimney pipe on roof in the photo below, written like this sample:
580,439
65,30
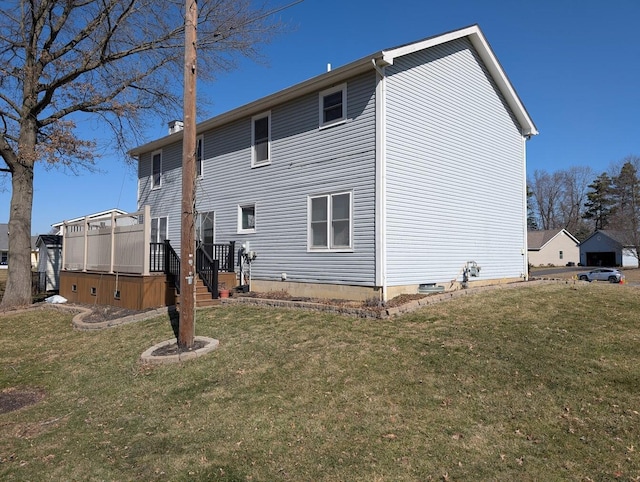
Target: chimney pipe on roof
175,126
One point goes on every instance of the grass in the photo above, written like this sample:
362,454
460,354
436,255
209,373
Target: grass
527,384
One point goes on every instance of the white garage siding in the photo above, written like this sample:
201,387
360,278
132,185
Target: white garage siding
455,170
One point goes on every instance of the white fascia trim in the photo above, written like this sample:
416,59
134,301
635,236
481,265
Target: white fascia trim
567,233
492,64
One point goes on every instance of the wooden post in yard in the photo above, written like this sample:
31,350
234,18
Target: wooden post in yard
186,329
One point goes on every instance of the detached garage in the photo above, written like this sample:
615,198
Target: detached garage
607,248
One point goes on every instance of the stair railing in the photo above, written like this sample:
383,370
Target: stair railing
207,268
172,264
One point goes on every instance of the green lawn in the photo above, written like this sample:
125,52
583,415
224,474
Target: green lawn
526,384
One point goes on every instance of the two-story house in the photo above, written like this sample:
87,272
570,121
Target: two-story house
367,181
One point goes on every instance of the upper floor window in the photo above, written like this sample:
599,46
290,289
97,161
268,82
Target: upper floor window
333,105
247,219
330,222
156,169
199,155
261,139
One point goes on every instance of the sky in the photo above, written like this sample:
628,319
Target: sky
574,64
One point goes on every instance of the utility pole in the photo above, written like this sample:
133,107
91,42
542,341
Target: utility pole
186,329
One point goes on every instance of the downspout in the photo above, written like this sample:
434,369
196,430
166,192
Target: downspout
381,180
525,253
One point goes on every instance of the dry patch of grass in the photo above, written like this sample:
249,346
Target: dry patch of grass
526,384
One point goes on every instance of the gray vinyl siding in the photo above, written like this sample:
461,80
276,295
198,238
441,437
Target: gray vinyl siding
305,161
455,167
166,200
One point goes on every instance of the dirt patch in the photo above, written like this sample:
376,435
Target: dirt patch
370,304
12,399
174,349
100,313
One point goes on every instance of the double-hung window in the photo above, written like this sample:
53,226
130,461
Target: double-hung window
261,140
333,105
246,218
156,169
330,222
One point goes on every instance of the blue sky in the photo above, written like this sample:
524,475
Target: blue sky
575,65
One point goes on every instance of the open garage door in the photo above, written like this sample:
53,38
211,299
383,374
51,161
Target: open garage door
605,258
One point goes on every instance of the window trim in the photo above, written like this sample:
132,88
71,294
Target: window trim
330,248
325,93
153,180
267,161
242,230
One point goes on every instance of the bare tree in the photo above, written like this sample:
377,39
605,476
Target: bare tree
547,193
575,189
114,59
558,198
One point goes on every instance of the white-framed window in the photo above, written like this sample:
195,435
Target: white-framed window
199,155
333,105
330,222
561,254
159,228
156,169
246,218
261,139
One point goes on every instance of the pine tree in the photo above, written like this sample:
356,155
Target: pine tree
601,202
626,189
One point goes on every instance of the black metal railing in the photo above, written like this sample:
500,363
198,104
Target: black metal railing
208,268
156,257
172,264
224,253
210,259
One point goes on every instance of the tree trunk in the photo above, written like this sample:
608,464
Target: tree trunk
18,289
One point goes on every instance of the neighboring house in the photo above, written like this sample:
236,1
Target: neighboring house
555,247
4,245
4,248
394,171
49,261
607,248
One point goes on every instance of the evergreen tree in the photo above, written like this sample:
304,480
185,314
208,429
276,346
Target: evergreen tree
626,188
601,202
